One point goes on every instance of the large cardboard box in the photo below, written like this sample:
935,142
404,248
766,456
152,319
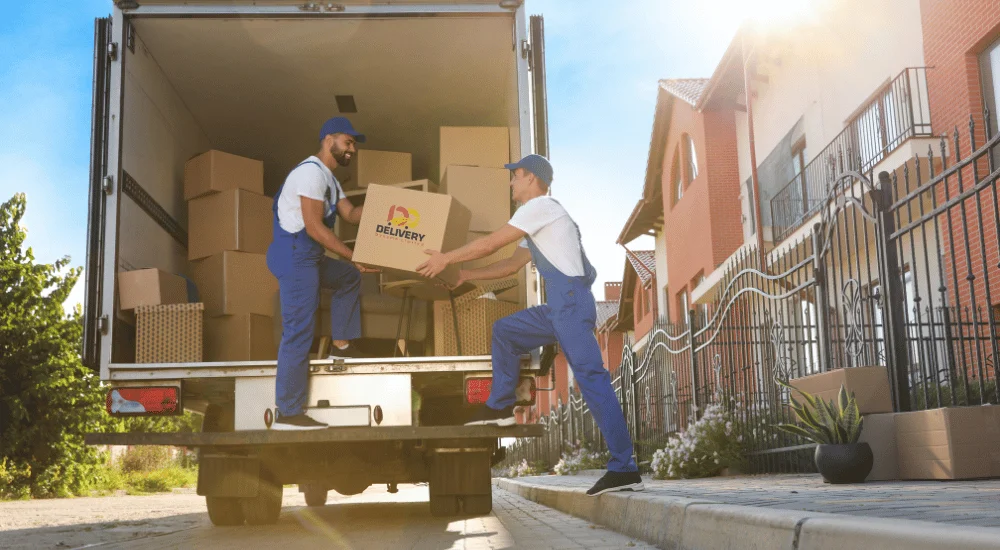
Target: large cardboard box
379,167
879,432
230,220
399,224
169,333
217,171
247,337
950,443
150,287
485,191
488,147
869,384
235,283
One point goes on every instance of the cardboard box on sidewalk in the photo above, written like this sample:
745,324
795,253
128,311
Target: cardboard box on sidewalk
379,167
950,443
399,224
869,384
234,283
879,432
150,287
229,220
486,191
484,146
215,171
169,333
246,337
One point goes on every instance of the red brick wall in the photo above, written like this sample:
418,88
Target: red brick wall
704,227
955,33
644,321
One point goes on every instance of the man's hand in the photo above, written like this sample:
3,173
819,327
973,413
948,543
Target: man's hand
366,269
434,266
463,277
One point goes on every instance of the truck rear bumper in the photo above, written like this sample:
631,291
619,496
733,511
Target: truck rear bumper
253,438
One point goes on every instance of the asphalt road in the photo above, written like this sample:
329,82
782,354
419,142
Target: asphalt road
374,519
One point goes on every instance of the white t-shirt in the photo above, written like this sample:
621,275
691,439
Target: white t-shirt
553,232
310,180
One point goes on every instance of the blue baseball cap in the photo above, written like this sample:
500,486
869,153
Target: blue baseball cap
537,165
340,125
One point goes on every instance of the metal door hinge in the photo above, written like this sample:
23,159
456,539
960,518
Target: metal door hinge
108,185
113,51
310,7
337,366
102,325
525,49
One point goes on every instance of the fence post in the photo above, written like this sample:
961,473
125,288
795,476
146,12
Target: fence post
692,327
823,336
897,358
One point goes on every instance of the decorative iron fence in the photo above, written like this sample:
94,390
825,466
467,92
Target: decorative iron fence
900,274
898,111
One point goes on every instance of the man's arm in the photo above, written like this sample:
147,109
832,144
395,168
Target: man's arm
479,248
350,213
312,215
497,270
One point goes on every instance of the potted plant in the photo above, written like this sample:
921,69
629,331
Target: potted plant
835,428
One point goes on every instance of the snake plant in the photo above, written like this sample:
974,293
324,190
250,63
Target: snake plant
825,423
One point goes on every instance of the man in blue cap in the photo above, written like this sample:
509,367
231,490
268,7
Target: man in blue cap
305,210
550,237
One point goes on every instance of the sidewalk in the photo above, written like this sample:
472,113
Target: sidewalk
783,511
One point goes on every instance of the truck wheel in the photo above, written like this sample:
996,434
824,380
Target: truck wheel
224,512
265,508
444,505
315,495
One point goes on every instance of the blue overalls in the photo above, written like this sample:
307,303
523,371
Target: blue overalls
568,317
302,267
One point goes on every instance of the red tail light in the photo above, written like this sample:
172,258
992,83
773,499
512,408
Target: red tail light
144,401
477,390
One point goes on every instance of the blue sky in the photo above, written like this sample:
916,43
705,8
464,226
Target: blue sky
603,58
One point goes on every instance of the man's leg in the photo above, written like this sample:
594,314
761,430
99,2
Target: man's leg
577,341
512,336
299,290
345,307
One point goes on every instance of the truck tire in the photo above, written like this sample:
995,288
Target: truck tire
224,512
265,508
315,495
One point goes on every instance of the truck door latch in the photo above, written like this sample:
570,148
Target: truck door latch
337,366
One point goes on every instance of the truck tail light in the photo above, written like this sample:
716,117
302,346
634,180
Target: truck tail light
477,390
144,401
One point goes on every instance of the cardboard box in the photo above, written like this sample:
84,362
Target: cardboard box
475,324
247,337
488,147
950,443
879,432
229,220
217,171
379,167
485,191
150,287
169,333
399,224
235,283
869,384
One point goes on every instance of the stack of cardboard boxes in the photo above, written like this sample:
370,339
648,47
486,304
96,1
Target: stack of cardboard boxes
168,328
230,228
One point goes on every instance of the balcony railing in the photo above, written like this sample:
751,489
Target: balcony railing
897,112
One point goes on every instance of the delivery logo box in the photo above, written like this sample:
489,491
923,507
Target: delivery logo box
399,224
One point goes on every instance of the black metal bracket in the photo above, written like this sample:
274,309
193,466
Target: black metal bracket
134,191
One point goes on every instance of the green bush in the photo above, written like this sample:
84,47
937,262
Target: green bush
160,481
925,396
146,458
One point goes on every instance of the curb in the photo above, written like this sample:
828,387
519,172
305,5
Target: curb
689,524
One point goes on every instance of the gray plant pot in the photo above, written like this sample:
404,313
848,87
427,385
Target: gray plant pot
850,463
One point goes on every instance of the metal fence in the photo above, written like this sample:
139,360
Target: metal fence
900,274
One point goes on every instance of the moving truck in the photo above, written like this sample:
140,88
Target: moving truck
173,79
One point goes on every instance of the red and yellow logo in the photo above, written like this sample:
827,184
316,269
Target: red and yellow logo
399,216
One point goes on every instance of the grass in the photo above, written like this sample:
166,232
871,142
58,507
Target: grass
144,471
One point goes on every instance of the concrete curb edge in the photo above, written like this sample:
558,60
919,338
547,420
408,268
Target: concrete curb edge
681,523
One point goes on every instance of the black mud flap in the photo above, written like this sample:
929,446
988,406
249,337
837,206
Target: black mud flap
228,476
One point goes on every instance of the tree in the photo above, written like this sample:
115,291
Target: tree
48,399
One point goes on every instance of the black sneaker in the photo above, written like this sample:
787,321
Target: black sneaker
486,416
350,352
298,422
617,481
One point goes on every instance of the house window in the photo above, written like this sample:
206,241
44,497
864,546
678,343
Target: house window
691,156
751,207
683,306
798,167
666,304
638,306
646,298
989,68
677,177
